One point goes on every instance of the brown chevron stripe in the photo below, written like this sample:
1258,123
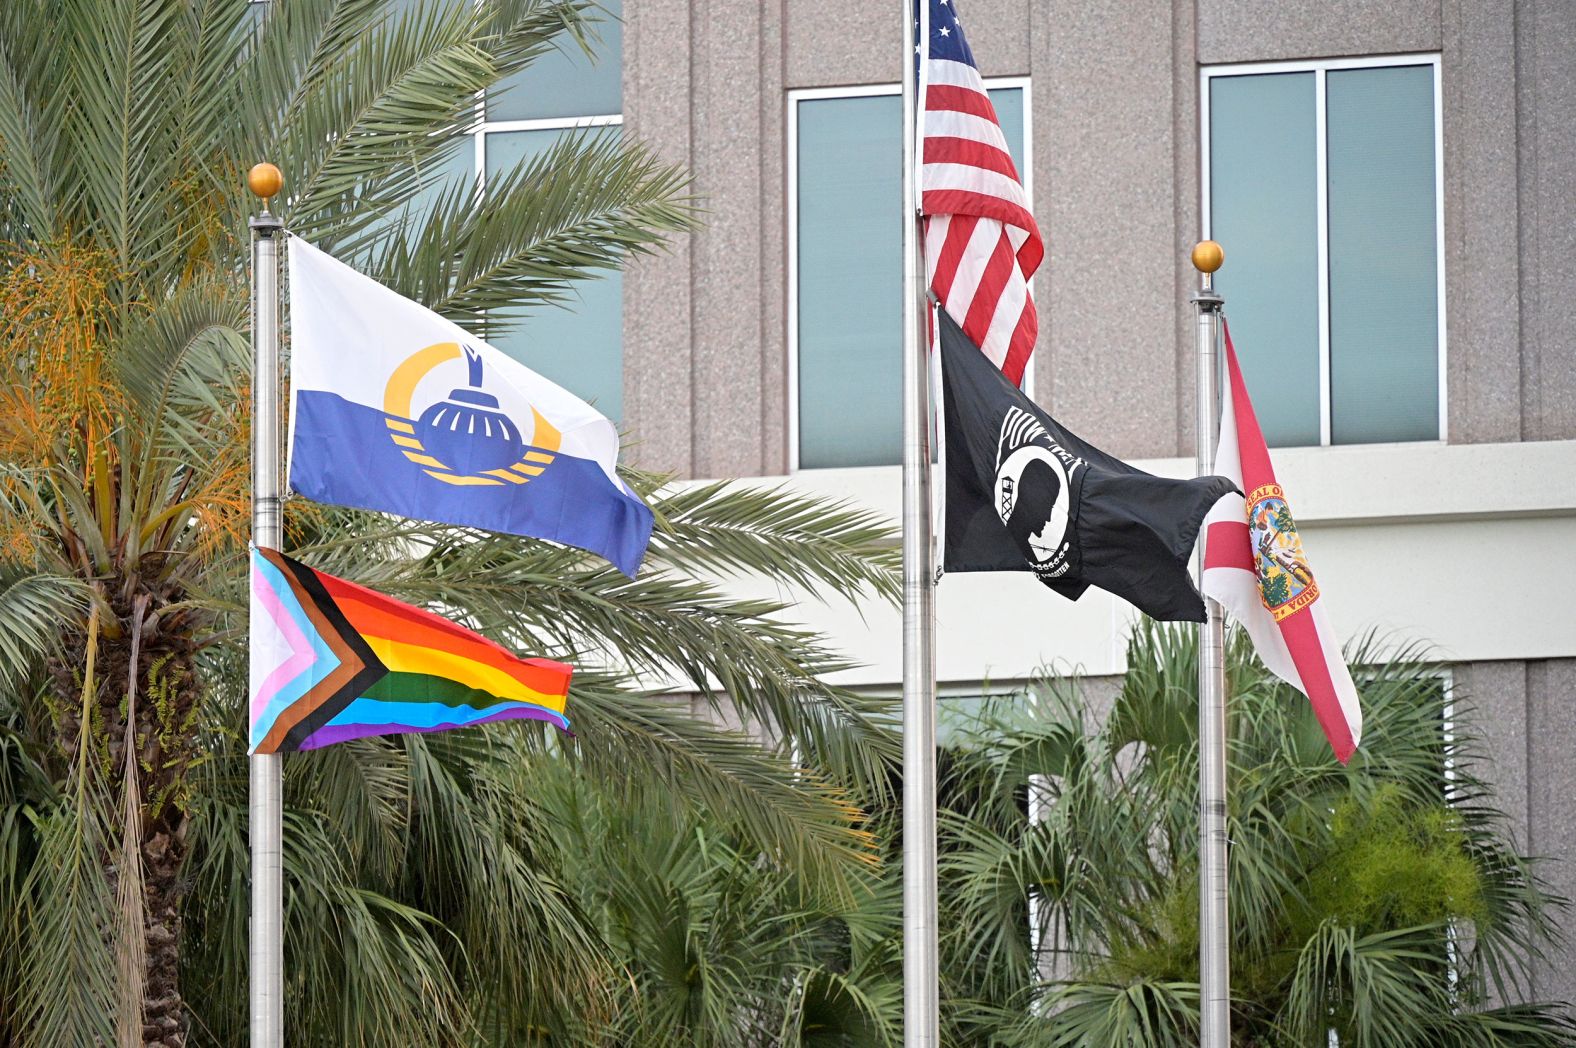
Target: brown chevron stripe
358,668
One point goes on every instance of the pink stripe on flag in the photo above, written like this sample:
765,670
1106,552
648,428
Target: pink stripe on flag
966,151
1022,344
963,202
960,230
959,100
301,651
982,309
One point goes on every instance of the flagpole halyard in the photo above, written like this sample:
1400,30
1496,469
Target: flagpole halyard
1214,946
921,1004
266,802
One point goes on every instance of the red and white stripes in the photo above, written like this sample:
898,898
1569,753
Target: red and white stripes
981,242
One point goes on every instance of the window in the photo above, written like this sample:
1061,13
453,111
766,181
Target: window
845,201
1323,183
580,346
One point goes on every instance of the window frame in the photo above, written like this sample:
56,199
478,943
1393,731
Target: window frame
482,127
810,94
1321,68
485,127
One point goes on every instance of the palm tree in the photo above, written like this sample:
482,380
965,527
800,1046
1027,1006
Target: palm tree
427,898
721,950
1382,902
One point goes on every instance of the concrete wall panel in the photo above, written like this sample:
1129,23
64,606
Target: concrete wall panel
1546,83
658,298
1491,703
1274,30
1110,227
726,107
861,42
1187,193
773,243
851,43
1483,342
1551,725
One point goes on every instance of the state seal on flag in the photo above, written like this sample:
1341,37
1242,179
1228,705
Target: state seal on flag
465,438
1286,583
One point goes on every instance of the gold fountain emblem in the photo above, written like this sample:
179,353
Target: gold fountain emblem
465,439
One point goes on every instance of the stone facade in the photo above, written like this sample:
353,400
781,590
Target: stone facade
1464,544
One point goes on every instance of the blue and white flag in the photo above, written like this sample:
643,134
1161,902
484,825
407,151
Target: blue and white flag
396,409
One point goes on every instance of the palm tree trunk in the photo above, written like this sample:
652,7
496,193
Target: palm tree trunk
163,1018
160,1009
153,710
165,751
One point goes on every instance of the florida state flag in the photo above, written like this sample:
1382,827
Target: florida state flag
1254,566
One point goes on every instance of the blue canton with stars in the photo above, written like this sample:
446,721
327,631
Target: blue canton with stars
946,33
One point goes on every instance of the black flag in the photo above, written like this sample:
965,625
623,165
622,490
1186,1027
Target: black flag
1024,494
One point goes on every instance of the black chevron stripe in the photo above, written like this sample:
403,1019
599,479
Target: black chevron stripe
372,668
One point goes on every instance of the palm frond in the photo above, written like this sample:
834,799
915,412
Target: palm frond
1143,1014
800,541
517,31
293,47
66,993
581,206
786,810
377,104
1359,985
181,360
371,971
121,55
32,609
31,122
1510,1026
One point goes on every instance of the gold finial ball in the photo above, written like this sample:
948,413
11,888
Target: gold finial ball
265,180
1207,256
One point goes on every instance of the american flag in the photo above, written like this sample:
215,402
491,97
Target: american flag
981,242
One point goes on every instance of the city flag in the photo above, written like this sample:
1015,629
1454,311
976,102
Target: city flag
396,409
332,661
1255,567
1025,494
982,245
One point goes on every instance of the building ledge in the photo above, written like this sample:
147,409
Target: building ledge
1434,543
1345,485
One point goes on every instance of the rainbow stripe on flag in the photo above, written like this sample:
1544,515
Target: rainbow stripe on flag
332,661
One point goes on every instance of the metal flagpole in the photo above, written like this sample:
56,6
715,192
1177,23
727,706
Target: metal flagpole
267,793
921,1008
1214,944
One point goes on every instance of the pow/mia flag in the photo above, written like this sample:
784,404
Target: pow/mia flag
1024,494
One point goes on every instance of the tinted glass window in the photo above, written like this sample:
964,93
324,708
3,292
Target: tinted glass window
850,279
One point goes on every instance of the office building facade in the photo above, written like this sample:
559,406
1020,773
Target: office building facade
1393,186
